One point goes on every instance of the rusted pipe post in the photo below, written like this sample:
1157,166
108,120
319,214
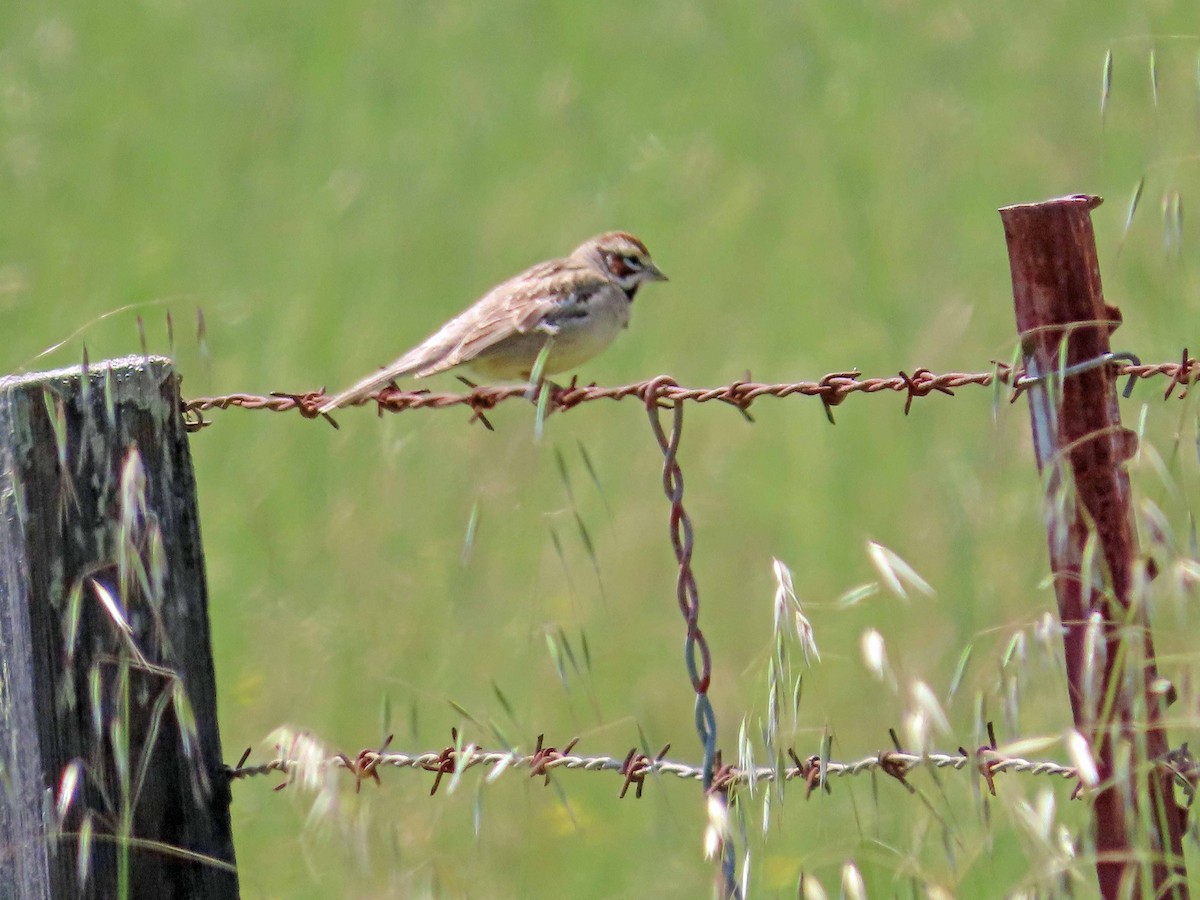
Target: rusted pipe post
1082,450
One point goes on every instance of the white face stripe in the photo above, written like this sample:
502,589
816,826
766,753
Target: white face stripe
626,269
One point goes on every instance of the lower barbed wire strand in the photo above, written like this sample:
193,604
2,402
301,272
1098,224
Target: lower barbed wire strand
430,761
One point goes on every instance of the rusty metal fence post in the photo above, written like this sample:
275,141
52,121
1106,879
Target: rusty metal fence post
1081,447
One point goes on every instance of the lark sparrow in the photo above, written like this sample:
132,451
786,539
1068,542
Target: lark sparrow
578,303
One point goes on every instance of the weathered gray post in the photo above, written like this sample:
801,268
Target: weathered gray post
111,781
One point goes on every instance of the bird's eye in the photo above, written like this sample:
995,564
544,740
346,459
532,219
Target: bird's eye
622,266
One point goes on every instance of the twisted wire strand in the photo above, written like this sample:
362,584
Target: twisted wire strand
687,595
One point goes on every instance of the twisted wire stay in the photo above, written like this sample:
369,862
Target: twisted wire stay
696,654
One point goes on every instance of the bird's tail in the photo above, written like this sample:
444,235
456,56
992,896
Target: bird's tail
360,389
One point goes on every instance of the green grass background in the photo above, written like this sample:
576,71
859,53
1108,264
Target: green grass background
329,182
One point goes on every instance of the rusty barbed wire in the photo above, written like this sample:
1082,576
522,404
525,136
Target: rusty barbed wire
832,389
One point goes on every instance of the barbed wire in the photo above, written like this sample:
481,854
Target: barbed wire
636,765
832,389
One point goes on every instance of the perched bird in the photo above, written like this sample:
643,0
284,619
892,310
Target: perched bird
576,304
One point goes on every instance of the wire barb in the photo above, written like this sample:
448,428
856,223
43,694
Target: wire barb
635,767
1183,375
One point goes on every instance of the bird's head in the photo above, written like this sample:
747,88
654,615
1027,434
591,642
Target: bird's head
623,258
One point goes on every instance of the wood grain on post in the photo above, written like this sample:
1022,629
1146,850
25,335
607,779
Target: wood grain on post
112,781
1082,450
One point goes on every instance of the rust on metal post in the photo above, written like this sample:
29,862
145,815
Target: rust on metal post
1082,450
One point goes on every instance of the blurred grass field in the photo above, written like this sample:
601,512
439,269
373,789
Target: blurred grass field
328,183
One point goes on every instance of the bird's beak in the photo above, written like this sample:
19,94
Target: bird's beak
655,273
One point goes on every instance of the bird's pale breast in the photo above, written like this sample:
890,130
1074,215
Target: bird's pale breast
583,332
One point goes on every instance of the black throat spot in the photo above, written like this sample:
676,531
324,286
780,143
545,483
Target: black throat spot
630,291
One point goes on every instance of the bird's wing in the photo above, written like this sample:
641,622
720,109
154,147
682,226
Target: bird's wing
517,306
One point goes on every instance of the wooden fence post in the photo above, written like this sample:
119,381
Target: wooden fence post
1082,449
111,779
